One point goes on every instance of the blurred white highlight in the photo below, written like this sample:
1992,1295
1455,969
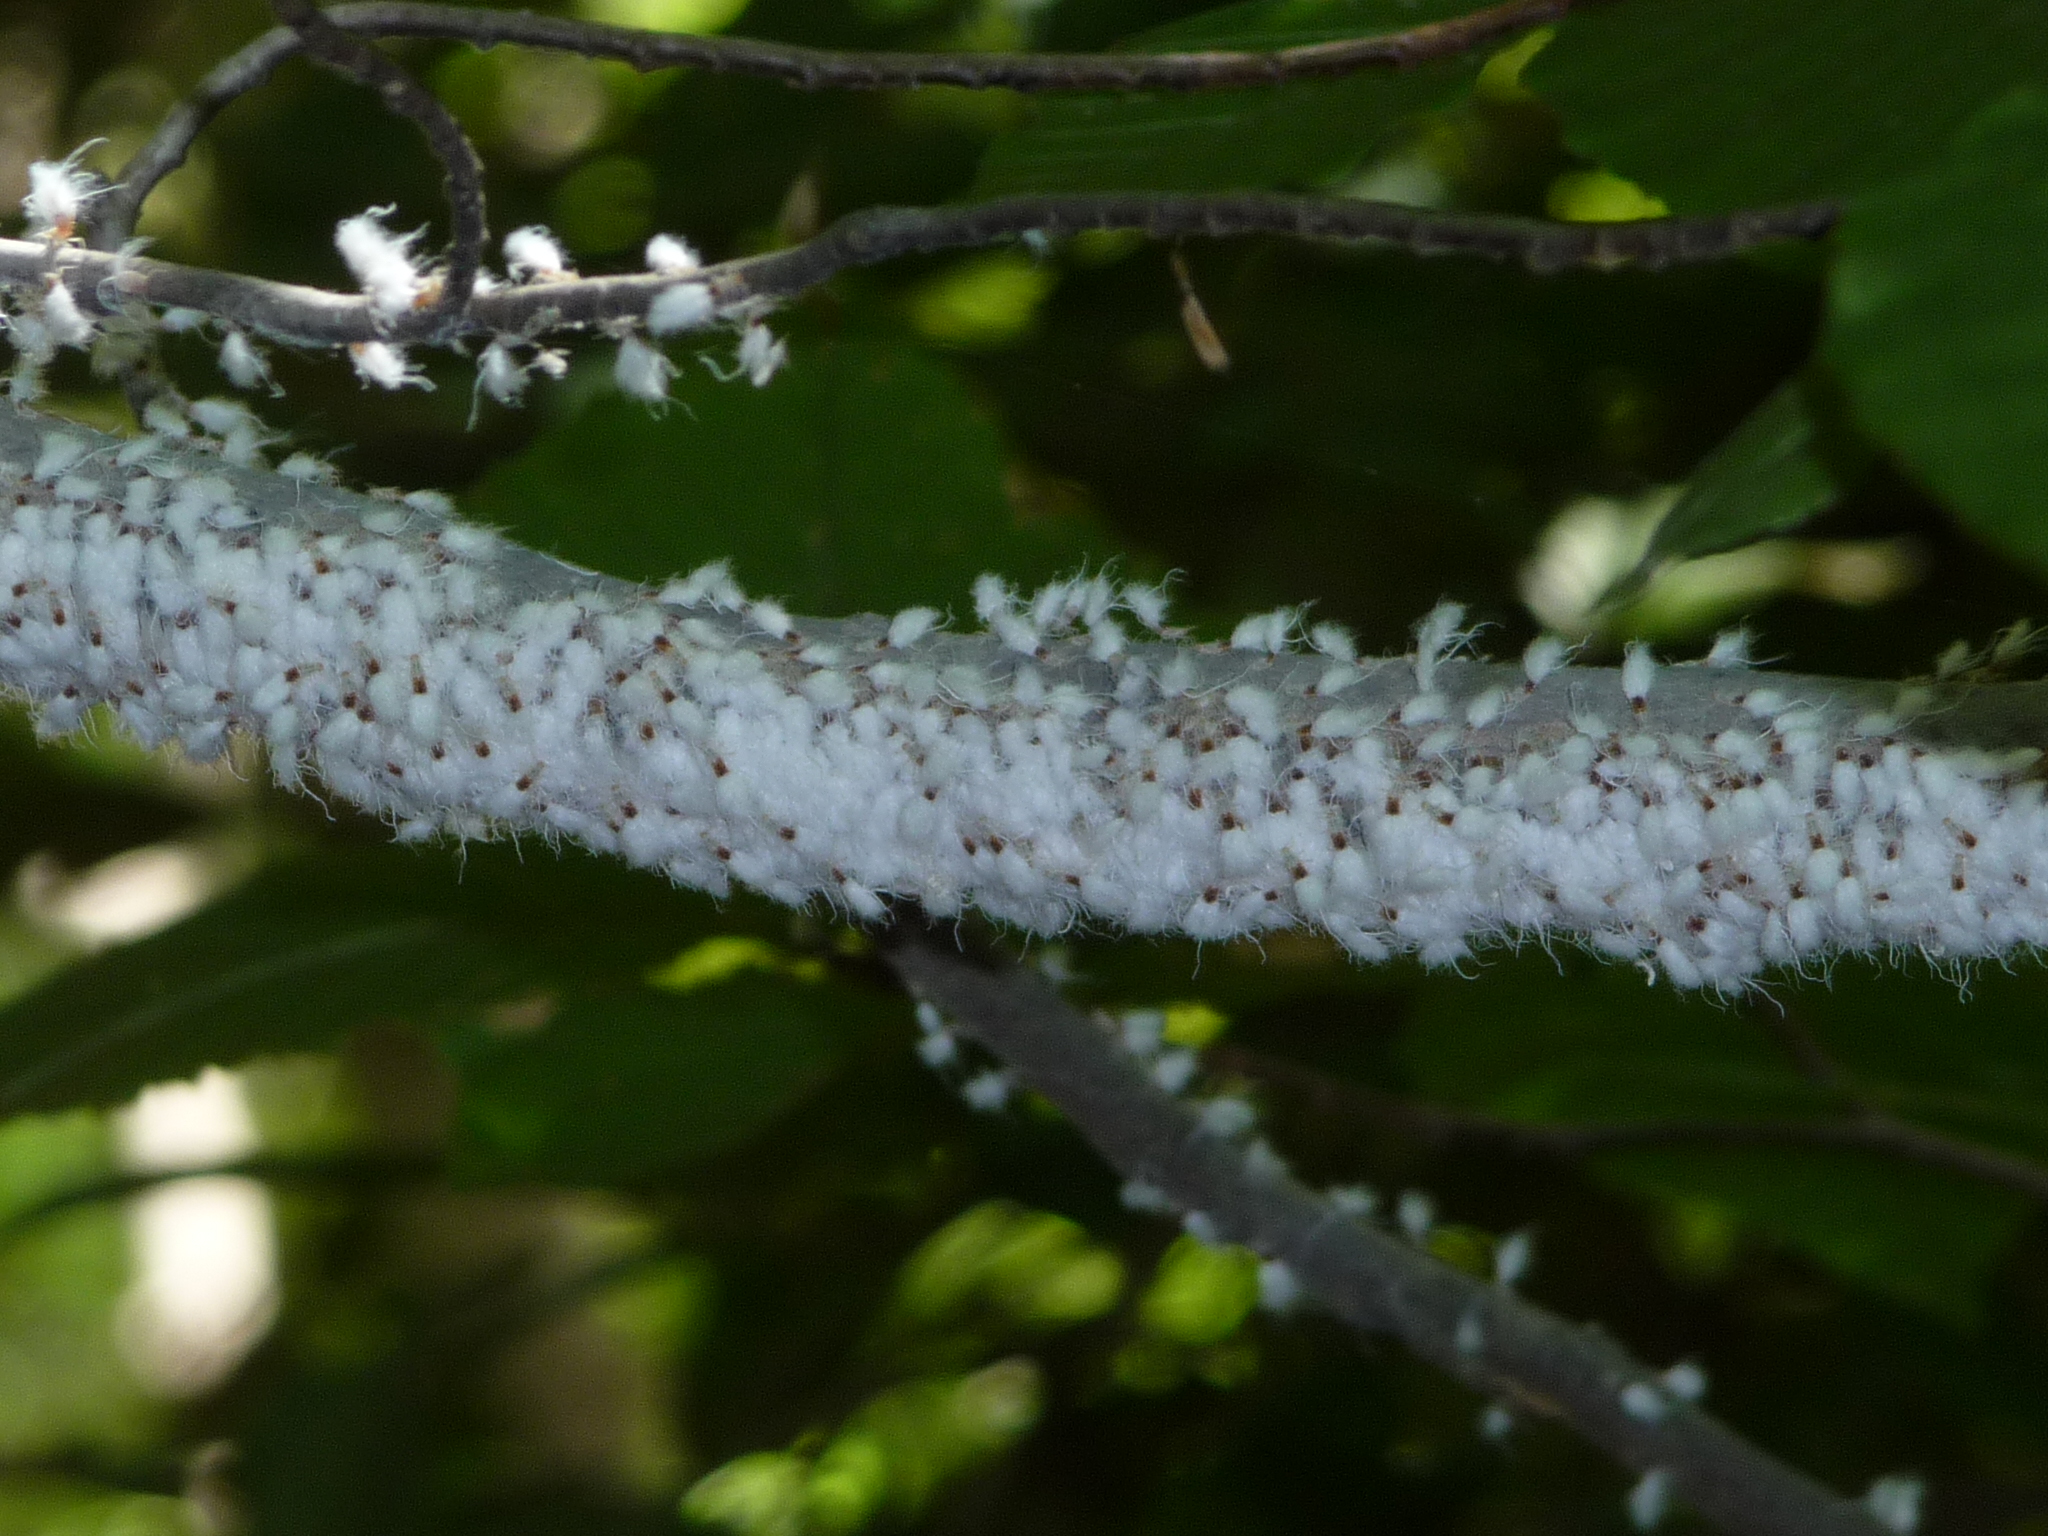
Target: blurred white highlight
205,1285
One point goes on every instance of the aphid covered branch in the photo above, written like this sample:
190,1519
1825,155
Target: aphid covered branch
101,282
1379,1283
353,58
1069,762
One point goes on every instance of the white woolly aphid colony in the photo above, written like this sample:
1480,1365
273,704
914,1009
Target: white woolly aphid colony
1046,769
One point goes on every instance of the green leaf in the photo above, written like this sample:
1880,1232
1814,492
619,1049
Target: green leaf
1767,477
617,1088
1938,325
1301,135
1736,103
307,952
863,477
1597,1046
265,970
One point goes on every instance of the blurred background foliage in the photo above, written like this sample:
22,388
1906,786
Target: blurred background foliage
534,1197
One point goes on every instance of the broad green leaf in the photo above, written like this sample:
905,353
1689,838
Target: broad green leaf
1767,477
1598,1046
303,954
277,966
1735,103
620,1087
863,477
1938,325
1297,136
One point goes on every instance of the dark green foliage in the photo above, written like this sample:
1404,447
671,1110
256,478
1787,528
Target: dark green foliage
1299,136
1743,103
596,1187
1938,320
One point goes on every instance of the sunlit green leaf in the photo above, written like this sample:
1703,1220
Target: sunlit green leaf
1768,476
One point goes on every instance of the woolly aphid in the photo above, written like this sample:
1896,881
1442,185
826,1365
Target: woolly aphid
385,366
531,253
58,191
672,256
382,264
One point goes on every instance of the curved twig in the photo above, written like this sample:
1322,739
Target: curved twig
1440,1126
354,59
804,68
315,317
1486,1336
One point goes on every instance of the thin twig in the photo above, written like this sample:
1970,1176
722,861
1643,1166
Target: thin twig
315,317
1438,1126
352,58
1486,1336
351,1167
805,68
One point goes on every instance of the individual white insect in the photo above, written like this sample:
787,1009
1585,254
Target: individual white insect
1436,638
672,256
381,263
1226,1117
1268,632
1469,1338
499,373
1279,1287
1638,673
1894,1502
531,253
1644,1403
911,626
1174,1070
1334,641
987,1091
1732,648
1686,1381
386,366
1496,1423
642,371
58,191
1649,1501
683,307
68,325
1137,1195
244,365
1545,654
1511,1256
762,354
1415,1213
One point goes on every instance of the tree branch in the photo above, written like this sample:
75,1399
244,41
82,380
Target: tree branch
1074,761
1485,1336
102,282
1439,1126
353,59
805,68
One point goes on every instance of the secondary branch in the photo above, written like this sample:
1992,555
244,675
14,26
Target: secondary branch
806,68
1486,1336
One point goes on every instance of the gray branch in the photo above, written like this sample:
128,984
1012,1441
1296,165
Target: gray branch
103,282
805,68
1485,1336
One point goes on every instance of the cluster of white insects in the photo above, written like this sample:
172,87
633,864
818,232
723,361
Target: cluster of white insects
396,281
1228,1116
1075,760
